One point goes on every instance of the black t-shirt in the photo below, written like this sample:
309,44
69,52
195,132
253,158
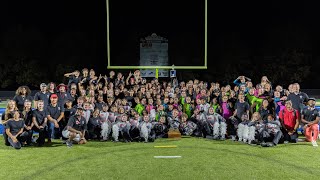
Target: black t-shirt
74,79
94,122
55,112
310,115
241,108
298,100
15,126
20,101
264,113
45,97
77,123
40,116
27,117
99,105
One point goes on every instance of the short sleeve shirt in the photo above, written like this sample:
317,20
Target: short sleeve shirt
15,126
55,112
79,124
40,116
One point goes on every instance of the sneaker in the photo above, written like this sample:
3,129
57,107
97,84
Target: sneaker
270,144
240,139
215,137
286,142
233,138
245,140
263,144
249,142
314,143
69,144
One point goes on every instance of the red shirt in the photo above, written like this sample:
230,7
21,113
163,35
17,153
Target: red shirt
290,117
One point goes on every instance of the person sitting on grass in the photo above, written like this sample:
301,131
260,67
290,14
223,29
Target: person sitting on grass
76,128
14,130
256,126
145,127
310,118
160,128
272,134
122,128
187,128
94,125
216,124
243,129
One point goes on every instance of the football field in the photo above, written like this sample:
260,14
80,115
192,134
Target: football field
200,159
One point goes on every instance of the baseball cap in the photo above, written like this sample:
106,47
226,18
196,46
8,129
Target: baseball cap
312,98
54,96
43,85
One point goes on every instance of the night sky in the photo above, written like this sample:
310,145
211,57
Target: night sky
74,32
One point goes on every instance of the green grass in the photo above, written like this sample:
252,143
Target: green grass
201,159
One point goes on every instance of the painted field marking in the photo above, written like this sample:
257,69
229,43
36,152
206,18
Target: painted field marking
171,146
166,157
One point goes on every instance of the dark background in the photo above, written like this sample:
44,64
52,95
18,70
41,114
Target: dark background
42,40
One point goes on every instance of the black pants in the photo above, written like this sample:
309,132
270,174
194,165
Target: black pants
42,135
94,132
28,134
21,138
134,133
291,138
269,137
233,126
5,136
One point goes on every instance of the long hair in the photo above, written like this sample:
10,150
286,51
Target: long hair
7,112
19,90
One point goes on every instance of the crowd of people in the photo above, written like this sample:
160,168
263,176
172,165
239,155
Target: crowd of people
115,108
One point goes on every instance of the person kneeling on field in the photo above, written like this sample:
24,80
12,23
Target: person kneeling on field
187,128
75,129
271,132
14,130
310,118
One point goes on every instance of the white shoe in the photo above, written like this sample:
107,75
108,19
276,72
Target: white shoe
314,143
245,140
240,139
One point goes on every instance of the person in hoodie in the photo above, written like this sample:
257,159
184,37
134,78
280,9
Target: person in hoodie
271,134
289,119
